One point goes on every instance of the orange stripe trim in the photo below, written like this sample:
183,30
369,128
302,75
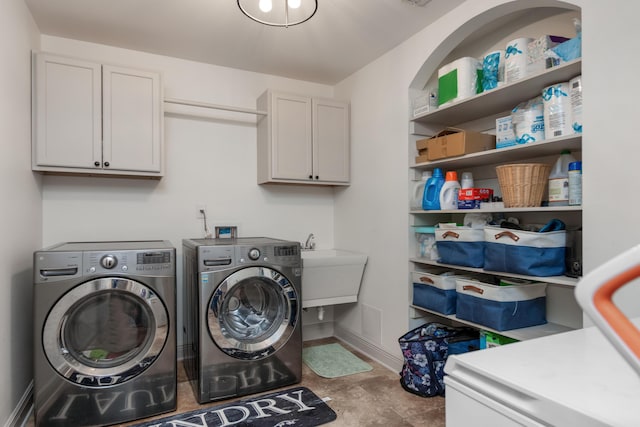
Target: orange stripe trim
602,300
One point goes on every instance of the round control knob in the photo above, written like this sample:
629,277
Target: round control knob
108,261
254,254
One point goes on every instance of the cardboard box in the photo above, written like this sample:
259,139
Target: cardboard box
422,144
452,142
422,158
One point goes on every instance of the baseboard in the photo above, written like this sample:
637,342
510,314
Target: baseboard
22,411
181,351
381,356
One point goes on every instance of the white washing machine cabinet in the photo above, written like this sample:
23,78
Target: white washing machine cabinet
104,332
242,315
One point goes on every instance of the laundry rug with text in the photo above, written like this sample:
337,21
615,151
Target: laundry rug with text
297,406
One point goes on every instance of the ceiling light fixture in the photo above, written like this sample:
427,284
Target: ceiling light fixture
279,13
420,3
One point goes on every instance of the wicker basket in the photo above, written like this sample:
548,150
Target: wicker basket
523,185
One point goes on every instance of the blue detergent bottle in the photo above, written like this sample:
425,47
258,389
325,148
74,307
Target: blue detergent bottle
431,197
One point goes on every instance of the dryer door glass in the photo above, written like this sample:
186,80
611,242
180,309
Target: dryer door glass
252,313
105,331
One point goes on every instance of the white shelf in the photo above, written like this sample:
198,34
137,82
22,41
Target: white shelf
511,154
505,210
521,334
556,280
502,98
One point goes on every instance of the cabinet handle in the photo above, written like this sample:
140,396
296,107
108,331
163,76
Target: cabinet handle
106,164
310,176
317,177
96,164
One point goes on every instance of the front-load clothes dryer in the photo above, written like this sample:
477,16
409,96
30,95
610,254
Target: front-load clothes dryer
105,332
242,315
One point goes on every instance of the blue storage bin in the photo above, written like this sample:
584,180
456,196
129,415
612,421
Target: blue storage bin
461,246
501,307
435,292
525,252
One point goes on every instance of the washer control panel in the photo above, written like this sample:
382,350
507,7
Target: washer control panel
108,261
254,254
134,262
56,266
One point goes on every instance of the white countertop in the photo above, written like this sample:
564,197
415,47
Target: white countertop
576,376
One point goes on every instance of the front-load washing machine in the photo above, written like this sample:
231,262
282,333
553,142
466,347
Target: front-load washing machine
241,315
104,332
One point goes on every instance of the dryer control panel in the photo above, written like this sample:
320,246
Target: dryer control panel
215,258
283,255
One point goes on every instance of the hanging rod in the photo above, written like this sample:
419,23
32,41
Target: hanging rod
215,106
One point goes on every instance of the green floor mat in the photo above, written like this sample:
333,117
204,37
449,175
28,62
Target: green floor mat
333,360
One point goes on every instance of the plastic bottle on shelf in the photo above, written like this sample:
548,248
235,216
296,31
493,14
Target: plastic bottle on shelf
559,180
431,197
449,191
467,180
575,183
418,190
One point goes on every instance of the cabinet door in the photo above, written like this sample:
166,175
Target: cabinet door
67,116
330,140
291,153
131,120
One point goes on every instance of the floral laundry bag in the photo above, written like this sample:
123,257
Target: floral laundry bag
425,351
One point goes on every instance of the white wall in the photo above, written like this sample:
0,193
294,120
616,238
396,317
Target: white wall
21,213
610,31
209,161
371,215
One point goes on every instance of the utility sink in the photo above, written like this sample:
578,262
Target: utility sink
331,276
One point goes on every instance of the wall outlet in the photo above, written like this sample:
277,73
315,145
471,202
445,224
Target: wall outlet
199,211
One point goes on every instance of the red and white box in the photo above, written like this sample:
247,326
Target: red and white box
484,194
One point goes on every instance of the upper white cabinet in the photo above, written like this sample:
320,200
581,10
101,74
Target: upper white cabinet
90,118
303,140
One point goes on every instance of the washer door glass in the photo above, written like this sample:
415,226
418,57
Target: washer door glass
105,331
252,313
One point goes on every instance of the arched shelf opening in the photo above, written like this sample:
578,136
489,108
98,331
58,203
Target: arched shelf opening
488,31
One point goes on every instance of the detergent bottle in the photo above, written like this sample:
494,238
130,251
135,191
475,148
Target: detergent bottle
449,191
431,197
559,180
418,190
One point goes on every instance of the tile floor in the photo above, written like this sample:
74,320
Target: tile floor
373,398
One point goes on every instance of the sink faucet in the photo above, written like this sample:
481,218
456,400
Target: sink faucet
310,243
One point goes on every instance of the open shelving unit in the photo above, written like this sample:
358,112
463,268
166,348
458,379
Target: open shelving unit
483,108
